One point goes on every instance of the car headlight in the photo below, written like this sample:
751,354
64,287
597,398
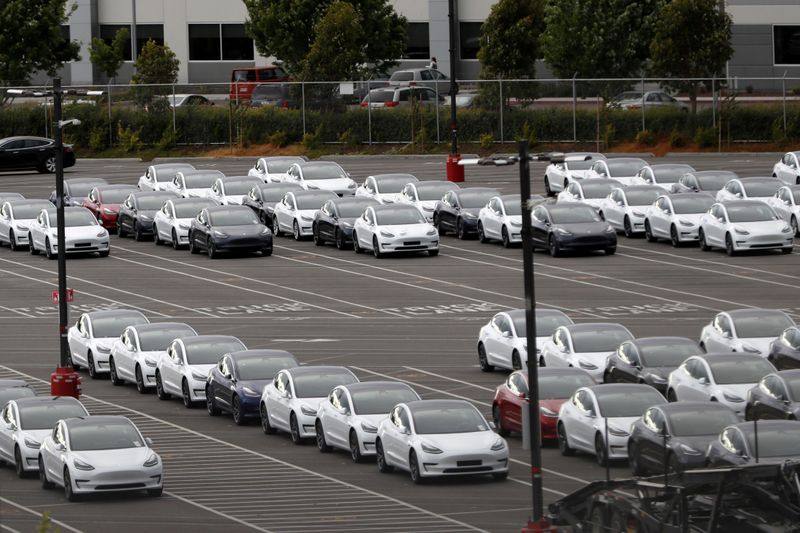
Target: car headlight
498,445
108,211
103,349
312,187
562,231
306,218
250,391
549,413
586,365
688,450
468,216
786,229
369,428
609,229
150,362
151,461
617,432
427,448
308,411
183,226
266,232
102,234
345,225
431,232
637,214
750,349
145,218
221,234
22,228
198,376
352,185
32,443
684,222
655,378
741,231
387,234
732,397
80,465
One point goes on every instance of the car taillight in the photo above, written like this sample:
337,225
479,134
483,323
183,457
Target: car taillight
67,148
412,83
391,104
285,103
364,104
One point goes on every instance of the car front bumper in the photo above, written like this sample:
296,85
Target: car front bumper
117,481
763,242
250,404
77,246
432,465
588,242
242,244
408,244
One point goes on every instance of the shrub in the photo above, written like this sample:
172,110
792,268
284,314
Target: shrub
645,138
487,141
609,136
98,138
312,141
706,137
279,139
128,138
676,139
348,138
527,133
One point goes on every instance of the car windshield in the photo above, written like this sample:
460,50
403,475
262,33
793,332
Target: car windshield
750,213
513,207
761,325
323,172
671,354
45,415
320,385
595,191
75,218
12,393
391,217
151,203
746,370
433,191
773,442
28,211
255,368
712,183
628,95
209,352
113,326
559,387
701,422
574,215
104,435
471,200
114,196
642,197
762,188
692,205
238,217
623,403
200,181
266,92
381,401
580,165
546,325
352,209
158,340
311,201
78,190
455,419
280,166
670,174
393,183
239,187
599,340
190,209
624,168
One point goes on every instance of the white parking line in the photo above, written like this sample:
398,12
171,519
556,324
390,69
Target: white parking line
16,310
434,374
39,515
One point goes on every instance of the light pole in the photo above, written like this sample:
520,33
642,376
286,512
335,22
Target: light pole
455,172
62,256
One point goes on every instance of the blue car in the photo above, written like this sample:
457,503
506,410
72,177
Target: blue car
235,384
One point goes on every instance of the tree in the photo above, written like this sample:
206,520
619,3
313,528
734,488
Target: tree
337,49
156,64
691,39
108,58
598,38
31,39
286,29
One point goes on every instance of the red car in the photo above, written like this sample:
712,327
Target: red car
104,200
556,385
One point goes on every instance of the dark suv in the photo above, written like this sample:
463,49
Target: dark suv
39,153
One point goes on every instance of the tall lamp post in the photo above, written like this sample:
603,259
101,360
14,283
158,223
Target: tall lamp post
455,172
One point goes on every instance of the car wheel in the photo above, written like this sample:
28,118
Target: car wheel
276,228
104,253
48,251
19,466
121,229
795,226
633,461
481,235
626,224
140,380
355,447
413,468
337,236
266,427
356,247
112,373
506,238
674,239
460,231
12,241
542,363
318,241
296,231
176,244
68,493
186,395
31,248
437,224
786,250
498,421
211,404
211,249
500,476
483,360
160,392
547,190
43,475
611,251
90,365
321,443
748,413
671,396
516,362
674,464
729,249
294,429
156,238
376,251
236,411
602,216
266,252
648,232
563,443
193,249
433,253
600,450
701,237
380,459
155,493
138,235
552,245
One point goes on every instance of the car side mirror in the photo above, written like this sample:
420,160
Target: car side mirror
492,425
405,431
506,334
591,414
287,394
60,447
148,441
346,411
738,195
11,426
703,381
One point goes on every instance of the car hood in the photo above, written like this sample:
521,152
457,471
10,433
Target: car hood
597,203
247,230
256,384
348,221
698,442
584,227
619,422
577,174
761,228
759,343
112,207
313,403
428,205
115,459
389,197
200,369
330,185
553,405
80,232
461,442
24,221
35,434
474,211
105,341
407,230
596,358
738,389
694,218
308,213
148,212
235,199
197,193
375,420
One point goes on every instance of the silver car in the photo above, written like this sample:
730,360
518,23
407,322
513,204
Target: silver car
82,233
744,225
15,219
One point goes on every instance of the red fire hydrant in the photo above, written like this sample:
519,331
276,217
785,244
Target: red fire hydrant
455,172
65,382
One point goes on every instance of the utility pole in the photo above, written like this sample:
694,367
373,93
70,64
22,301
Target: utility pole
62,255
455,172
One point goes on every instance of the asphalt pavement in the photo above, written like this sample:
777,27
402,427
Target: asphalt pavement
410,318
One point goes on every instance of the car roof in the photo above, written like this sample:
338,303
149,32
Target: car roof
95,420
99,181
557,371
624,160
240,355
113,313
589,326
598,181
389,208
672,195
656,341
701,173
116,186
29,202
318,162
692,407
469,190
505,198
753,313
13,383
434,183
742,203
179,201
766,425
563,207
234,179
313,194
315,370
200,172
392,175
672,166
203,339
760,179
719,358
287,186
156,326
354,200
436,404
606,389
363,386
226,208
154,194
25,138
167,166
37,400
51,211
643,188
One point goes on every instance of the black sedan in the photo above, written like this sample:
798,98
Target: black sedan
137,211
776,396
76,190
458,210
784,352
263,197
649,360
778,440
34,153
229,228
334,221
236,383
676,436
571,226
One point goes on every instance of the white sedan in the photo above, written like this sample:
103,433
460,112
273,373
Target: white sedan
135,355
676,217
385,188
625,208
25,422
585,346
99,454
663,175
92,336
723,378
158,177
394,228
788,168
433,438
501,220
183,370
749,189
349,418
503,342
321,175
425,194
786,204
593,413
273,169
171,223
16,218
82,233
193,183
290,403
558,175
744,330
295,213
622,169
592,192
744,225
232,190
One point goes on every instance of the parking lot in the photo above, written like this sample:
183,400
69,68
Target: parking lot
410,318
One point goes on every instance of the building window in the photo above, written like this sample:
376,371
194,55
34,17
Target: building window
107,33
470,37
212,42
418,43
144,32
786,43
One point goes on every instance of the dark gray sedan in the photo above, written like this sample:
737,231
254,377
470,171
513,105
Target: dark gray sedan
334,221
778,441
571,226
229,228
137,212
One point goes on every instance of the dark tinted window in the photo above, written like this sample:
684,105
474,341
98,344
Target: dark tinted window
627,403
239,187
274,195
244,75
433,191
209,352
786,43
712,183
513,208
784,442
597,190
796,195
150,341
750,213
766,325
746,370
624,168
351,209
107,33
762,188
470,39
115,325
106,435
320,385
471,200
792,384
311,201
277,166
669,174
190,209
692,205
668,354
146,32
45,415
558,387
269,91
114,196
574,215
417,41
641,197
400,216
456,419
240,217
79,190
204,42
376,402
701,422
394,184
323,172
25,211
599,340
150,203
546,325
250,368
580,165
74,219
379,95
236,45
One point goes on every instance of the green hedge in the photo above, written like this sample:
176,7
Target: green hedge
222,125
